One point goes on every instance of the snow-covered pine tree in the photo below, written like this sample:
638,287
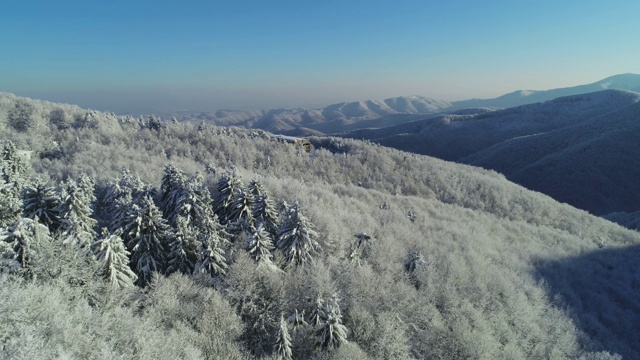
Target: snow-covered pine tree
11,183
265,213
41,202
21,238
192,204
282,346
296,238
182,256
260,246
75,212
331,333
10,204
228,186
119,198
171,188
149,237
118,208
110,252
256,188
211,258
241,208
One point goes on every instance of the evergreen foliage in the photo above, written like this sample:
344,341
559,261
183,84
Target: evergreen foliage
110,252
260,246
171,188
21,238
265,214
330,332
41,202
211,259
76,211
148,237
296,238
229,185
241,208
183,250
11,183
282,346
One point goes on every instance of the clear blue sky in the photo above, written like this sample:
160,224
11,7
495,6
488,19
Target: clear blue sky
145,56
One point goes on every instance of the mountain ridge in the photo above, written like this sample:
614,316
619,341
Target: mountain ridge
359,114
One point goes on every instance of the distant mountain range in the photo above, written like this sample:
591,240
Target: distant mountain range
349,116
580,149
629,82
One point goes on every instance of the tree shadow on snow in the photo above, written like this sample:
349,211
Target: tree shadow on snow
600,291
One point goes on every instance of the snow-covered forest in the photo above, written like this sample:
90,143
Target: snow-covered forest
142,238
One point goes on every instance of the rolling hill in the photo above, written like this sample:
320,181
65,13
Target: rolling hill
577,149
592,165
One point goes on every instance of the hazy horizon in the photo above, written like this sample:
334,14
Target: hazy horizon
162,57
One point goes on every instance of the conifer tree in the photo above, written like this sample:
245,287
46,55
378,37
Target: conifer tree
265,213
42,203
228,187
171,188
296,237
21,238
148,239
10,204
256,188
241,208
330,333
120,197
260,246
182,254
211,258
114,258
282,346
11,183
75,211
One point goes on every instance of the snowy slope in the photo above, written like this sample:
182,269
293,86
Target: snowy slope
452,137
629,82
593,165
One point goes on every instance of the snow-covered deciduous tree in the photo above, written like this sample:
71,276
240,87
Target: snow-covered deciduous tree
59,119
296,238
282,346
41,202
148,237
21,117
110,252
330,332
75,212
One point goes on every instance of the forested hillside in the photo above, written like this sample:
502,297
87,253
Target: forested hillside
578,149
141,238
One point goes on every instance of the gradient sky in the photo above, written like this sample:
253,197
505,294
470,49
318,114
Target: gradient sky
154,56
